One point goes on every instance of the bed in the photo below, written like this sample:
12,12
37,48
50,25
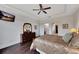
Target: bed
52,44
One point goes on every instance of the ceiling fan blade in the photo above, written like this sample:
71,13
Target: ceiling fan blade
40,6
39,12
36,9
47,8
45,12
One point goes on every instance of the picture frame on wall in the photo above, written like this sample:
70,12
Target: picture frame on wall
6,16
65,26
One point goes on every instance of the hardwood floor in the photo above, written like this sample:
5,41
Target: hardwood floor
18,49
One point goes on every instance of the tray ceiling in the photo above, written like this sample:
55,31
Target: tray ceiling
57,10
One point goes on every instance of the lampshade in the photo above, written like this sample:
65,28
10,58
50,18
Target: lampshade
73,30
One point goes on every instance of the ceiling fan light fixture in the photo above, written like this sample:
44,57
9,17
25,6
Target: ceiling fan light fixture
42,9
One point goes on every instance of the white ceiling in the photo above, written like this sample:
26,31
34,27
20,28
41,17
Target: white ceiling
57,10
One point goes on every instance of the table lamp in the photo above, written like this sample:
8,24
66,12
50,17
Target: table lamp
74,31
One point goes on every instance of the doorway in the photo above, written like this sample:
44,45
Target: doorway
46,28
56,29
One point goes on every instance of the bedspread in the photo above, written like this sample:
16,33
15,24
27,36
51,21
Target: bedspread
52,44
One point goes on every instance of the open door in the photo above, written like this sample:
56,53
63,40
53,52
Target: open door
56,29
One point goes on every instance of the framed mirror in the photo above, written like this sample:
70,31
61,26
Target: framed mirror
27,27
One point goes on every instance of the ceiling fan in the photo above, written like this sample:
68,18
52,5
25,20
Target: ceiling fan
41,9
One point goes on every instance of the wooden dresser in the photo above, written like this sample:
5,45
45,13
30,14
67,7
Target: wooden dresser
28,36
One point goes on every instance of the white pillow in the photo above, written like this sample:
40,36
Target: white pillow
67,37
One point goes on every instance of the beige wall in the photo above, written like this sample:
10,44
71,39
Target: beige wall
10,31
59,21
76,15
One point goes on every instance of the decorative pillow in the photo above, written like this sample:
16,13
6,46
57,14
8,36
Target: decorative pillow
75,42
67,37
